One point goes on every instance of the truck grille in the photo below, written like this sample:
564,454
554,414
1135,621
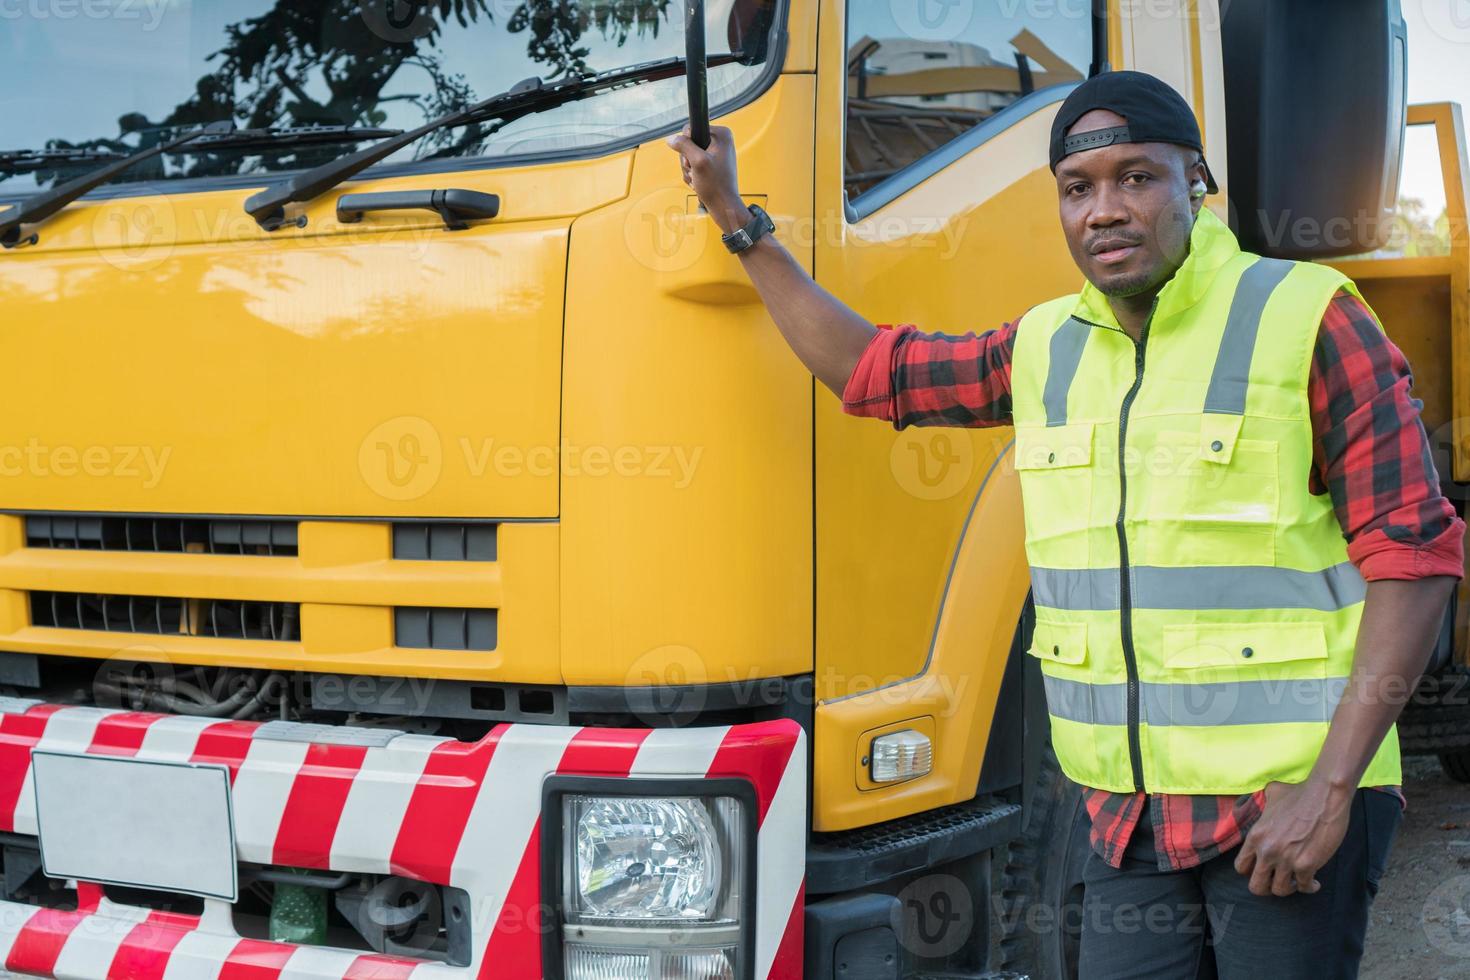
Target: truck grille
444,542
201,535
220,618
422,628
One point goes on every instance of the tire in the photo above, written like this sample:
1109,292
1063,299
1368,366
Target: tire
1456,765
1436,721
1041,882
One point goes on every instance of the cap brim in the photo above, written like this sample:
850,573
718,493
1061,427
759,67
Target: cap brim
1210,184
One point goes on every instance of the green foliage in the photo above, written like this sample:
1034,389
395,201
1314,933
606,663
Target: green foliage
326,62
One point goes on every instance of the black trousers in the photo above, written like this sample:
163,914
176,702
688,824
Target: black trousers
1203,922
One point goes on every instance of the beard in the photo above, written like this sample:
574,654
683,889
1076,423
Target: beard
1128,285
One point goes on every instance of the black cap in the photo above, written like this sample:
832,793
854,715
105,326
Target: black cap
1155,113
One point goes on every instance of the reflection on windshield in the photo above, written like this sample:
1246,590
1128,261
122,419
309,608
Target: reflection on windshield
116,84
912,87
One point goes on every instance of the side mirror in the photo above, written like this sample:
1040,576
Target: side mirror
1315,100
748,30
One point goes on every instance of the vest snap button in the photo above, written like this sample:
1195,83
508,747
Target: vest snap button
1056,651
1051,457
1216,446
1247,652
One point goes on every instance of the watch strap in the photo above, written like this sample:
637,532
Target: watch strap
741,239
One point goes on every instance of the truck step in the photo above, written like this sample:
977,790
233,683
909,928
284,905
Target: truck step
851,859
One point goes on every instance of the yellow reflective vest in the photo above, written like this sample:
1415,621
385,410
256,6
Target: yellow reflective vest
1196,612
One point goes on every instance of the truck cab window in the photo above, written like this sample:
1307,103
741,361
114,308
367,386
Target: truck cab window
84,90
921,74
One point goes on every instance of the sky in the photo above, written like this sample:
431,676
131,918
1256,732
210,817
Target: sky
1439,71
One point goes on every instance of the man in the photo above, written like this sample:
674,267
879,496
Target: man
1240,553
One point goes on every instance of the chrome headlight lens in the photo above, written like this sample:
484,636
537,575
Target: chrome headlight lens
651,887
645,858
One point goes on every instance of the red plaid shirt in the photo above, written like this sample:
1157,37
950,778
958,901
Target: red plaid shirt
1369,452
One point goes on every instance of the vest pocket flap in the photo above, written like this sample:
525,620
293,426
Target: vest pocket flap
1217,435
1242,645
1059,643
1054,447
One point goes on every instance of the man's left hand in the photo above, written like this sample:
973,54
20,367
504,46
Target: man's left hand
1300,828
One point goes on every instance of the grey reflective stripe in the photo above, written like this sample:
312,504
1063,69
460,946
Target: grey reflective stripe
1061,368
1089,704
1255,702
1201,587
1226,394
1081,589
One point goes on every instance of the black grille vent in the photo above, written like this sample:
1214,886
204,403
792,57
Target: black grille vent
202,535
436,628
444,542
236,619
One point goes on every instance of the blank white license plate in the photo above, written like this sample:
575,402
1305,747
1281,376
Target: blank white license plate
162,825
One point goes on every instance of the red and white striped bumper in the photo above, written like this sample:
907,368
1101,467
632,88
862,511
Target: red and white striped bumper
457,813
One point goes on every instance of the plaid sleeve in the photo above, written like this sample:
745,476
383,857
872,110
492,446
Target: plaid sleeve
911,378
1371,454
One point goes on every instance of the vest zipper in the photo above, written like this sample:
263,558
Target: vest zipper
1125,594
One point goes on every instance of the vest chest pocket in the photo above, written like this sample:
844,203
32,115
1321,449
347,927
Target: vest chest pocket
1059,643
1215,498
1055,464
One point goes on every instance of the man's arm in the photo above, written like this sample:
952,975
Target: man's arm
1406,539
902,376
1303,824
828,336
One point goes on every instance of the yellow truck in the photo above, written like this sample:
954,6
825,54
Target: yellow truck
421,556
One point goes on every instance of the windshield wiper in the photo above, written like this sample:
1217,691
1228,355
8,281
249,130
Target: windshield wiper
42,206
214,136
15,162
290,136
268,207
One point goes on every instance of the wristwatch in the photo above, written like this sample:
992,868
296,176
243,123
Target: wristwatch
742,238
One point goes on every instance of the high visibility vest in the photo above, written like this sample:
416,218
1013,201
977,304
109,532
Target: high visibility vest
1196,611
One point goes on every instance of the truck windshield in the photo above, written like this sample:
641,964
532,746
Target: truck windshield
116,76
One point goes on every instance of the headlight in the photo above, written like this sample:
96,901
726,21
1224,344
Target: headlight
654,877
645,858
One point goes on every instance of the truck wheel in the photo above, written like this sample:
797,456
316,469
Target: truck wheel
1041,884
1456,765
1436,721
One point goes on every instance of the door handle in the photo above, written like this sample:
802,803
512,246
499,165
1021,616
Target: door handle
455,205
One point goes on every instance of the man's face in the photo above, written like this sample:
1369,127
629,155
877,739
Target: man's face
1126,209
